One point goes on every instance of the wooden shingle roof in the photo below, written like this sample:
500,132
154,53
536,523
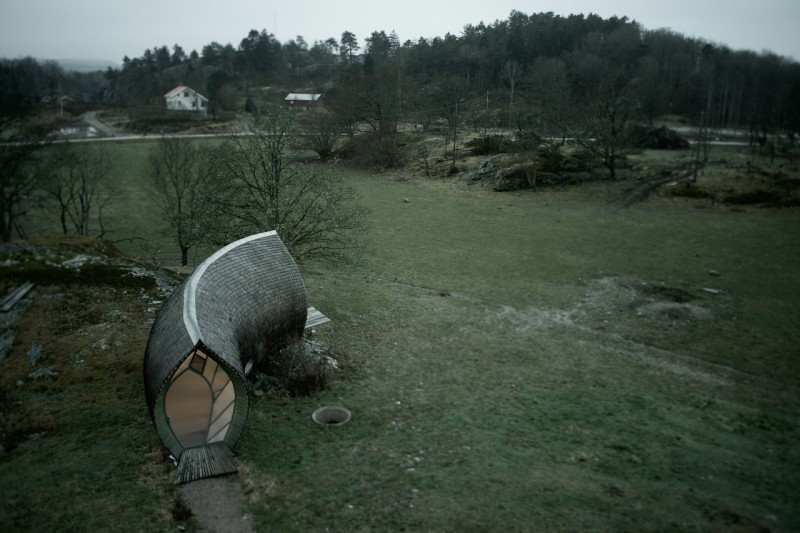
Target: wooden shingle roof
247,296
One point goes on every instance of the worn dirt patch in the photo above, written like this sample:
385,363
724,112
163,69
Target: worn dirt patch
613,297
216,504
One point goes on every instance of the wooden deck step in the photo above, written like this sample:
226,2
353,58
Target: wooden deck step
206,461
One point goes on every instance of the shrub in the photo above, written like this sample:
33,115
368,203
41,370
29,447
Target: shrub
551,159
661,138
488,145
373,149
759,196
526,141
298,370
687,190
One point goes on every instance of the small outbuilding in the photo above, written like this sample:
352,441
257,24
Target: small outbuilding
304,101
183,98
245,300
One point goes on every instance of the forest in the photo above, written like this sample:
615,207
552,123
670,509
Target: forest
542,73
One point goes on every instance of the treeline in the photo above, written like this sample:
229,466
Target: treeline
27,84
539,71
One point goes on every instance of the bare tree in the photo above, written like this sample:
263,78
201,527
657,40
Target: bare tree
512,73
607,117
178,177
451,93
76,181
259,188
322,133
550,89
608,124
21,172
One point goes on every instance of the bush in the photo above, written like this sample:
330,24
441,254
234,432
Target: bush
688,191
299,370
489,145
159,120
759,196
371,148
551,159
661,138
526,141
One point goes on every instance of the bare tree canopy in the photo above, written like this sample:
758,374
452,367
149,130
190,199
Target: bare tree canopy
77,181
257,186
178,180
21,172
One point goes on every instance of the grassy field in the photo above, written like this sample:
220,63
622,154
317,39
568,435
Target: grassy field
520,362
532,361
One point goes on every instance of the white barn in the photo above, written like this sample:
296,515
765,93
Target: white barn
183,98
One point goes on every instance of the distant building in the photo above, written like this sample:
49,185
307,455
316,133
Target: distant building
57,102
183,98
304,101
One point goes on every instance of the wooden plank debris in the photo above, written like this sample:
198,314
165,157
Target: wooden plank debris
16,295
315,318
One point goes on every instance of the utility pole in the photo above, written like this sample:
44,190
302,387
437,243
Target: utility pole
455,133
486,118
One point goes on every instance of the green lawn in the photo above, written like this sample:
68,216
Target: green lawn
507,370
529,361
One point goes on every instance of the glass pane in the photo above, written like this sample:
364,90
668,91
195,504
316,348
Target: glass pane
224,398
219,437
211,368
222,421
198,362
188,407
221,380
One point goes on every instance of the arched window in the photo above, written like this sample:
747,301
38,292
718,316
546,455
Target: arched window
199,403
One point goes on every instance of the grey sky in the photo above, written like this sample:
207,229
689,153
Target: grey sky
111,29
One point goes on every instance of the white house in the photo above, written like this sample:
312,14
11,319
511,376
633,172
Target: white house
183,98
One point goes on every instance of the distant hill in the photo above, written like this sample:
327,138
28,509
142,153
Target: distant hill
86,65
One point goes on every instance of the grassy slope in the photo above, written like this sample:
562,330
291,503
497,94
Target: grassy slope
79,453
527,398
502,370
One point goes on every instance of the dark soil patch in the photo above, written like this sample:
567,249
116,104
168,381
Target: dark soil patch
672,294
180,511
688,191
756,197
216,504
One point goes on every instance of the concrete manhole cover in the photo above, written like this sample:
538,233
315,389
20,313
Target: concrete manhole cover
331,416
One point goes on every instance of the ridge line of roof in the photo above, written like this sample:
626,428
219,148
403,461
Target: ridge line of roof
189,303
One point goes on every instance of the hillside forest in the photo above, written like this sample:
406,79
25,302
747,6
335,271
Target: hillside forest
540,73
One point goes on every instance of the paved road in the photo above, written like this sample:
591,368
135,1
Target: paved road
90,117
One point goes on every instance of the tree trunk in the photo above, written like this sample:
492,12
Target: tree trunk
5,227
64,219
612,166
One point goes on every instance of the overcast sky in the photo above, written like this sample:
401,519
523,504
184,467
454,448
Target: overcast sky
112,29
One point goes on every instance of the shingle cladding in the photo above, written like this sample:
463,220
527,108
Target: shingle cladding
169,343
248,297
254,291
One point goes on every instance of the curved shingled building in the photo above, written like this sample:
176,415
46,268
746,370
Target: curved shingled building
244,301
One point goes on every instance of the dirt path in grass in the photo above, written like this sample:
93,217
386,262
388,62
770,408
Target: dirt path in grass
216,503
